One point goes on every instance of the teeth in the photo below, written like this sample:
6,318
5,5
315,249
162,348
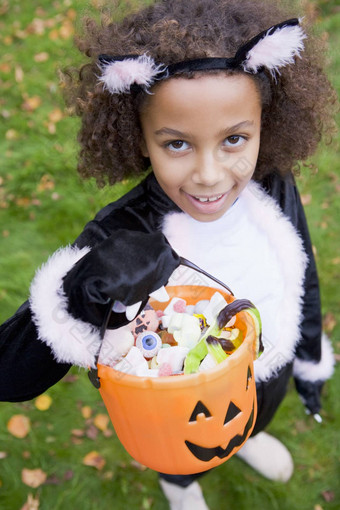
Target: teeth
212,199
160,295
131,311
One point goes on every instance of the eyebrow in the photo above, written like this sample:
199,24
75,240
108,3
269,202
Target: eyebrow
180,134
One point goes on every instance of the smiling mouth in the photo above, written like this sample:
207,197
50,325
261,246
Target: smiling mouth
208,199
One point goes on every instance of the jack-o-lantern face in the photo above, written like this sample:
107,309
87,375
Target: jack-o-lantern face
188,423
205,454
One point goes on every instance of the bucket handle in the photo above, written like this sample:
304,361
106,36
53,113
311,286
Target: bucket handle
93,372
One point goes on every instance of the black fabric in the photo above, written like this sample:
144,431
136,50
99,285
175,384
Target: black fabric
309,347
127,267
27,365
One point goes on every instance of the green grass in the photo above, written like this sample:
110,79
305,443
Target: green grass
37,218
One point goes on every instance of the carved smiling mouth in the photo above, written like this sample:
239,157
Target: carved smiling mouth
206,454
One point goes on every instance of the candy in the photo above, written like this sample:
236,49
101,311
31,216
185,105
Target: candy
149,343
164,370
181,339
174,356
147,320
179,303
185,328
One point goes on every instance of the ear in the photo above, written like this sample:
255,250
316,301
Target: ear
273,48
143,148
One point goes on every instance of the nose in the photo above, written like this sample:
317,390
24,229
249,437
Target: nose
208,170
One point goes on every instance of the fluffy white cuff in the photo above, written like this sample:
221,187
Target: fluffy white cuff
311,371
71,340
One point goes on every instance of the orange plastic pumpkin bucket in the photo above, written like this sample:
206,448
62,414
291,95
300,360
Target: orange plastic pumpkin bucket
187,423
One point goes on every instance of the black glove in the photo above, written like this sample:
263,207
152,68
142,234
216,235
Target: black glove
126,267
310,394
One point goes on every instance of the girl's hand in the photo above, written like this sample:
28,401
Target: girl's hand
127,267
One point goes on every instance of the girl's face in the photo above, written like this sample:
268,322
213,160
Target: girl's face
202,136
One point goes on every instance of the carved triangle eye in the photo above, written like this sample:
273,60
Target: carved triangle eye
200,408
233,411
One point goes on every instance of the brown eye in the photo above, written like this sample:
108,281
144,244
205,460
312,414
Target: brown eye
177,146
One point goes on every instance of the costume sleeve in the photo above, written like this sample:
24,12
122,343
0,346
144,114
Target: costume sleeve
314,359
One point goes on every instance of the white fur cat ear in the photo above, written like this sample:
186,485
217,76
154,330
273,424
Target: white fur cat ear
273,48
118,74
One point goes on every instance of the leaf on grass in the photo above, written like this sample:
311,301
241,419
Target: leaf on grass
328,496
66,30
19,74
138,465
43,402
46,183
3,455
31,103
306,199
86,412
95,460
12,134
33,477
41,57
101,421
329,322
32,503
92,432
55,115
19,425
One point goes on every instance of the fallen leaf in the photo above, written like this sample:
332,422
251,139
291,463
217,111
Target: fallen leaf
328,496
101,421
138,465
66,30
5,68
43,402
329,322
41,57
12,134
46,183
51,128
54,35
52,480
19,74
318,507
56,115
68,475
86,412
32,503
77,432
306,199
94,459
336,261
31,103
33,477
92,432
19,425
3,455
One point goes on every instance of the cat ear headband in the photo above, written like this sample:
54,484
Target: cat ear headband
271,49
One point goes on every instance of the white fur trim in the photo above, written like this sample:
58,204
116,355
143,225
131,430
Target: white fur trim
255,250
118,76
321,371
276,49
71,340
293,261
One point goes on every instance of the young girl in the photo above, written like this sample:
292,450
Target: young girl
222,98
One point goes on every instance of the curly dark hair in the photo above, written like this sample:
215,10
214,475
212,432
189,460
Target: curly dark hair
297,107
